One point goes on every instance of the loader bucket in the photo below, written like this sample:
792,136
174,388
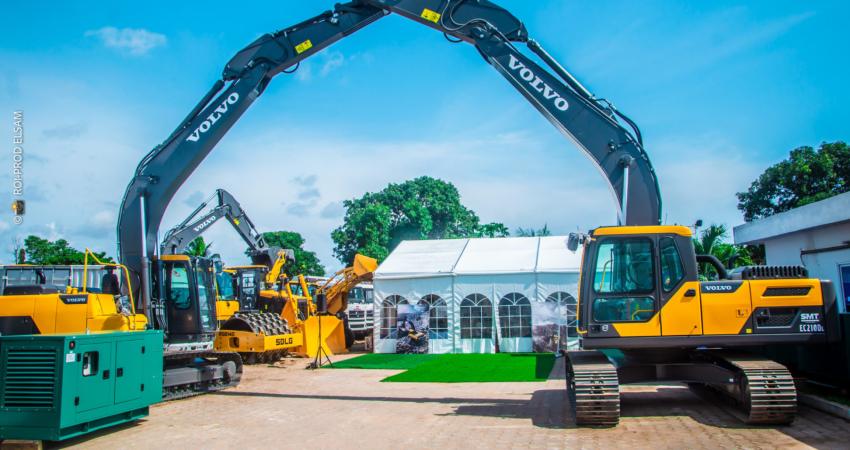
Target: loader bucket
364,266
332,338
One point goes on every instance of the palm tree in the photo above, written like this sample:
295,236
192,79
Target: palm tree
712,242
198,248
531,232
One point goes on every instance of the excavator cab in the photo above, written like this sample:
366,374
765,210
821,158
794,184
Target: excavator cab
629,274
184,297
249,283
227,302
640,288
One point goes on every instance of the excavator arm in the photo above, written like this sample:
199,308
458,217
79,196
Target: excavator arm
164,169
177,239
336,288
592,124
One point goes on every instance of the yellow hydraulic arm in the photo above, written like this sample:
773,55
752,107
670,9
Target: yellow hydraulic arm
337,287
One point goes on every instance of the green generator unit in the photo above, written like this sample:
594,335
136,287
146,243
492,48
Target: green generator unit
54,387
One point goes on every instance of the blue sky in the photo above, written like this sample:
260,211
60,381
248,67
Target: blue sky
721,90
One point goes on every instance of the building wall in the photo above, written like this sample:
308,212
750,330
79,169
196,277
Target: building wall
827,265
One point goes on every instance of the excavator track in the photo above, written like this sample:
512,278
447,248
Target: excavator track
766,390
594,388
187,374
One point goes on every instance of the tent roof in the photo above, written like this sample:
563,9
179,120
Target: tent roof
446,257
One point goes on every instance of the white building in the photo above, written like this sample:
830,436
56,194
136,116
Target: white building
815,235
514,294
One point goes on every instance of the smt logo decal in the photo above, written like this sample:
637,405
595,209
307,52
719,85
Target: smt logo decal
719,287
810,323
810,317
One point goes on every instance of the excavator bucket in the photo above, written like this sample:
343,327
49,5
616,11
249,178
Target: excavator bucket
265,257
330,333
364,266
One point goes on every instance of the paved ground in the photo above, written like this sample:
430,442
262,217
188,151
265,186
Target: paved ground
289,407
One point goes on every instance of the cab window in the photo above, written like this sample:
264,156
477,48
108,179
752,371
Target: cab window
177,286
672,271
356,295
206,299
624,266
224,281
623,309
296,289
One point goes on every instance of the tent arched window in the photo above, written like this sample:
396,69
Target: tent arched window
438,316
565,305
515,316
389,315
476,317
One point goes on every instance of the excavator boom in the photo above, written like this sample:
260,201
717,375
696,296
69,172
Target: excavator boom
592,124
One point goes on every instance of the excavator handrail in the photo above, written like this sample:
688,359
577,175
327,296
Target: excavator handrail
123,268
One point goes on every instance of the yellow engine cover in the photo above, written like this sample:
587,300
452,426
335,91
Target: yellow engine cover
70,313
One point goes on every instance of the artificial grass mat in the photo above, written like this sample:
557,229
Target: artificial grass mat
457,368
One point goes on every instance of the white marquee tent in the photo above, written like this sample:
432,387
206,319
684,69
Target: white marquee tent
510,294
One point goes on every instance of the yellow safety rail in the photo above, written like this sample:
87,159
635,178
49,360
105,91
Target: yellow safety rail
101,263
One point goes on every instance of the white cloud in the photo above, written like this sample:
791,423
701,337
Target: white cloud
327,61
103,220
333,210
304,72
332,60
134,41
703,185
67,131
194,199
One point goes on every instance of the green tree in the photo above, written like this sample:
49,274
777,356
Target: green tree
808,175
712,241
198,247
493,230
531,232
422,208
306,262
44,252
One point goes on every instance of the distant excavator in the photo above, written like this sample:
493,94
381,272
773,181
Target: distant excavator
238,281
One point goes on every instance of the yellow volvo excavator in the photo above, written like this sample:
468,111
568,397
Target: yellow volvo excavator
644,316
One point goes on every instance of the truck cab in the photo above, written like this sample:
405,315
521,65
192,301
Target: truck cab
361,309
